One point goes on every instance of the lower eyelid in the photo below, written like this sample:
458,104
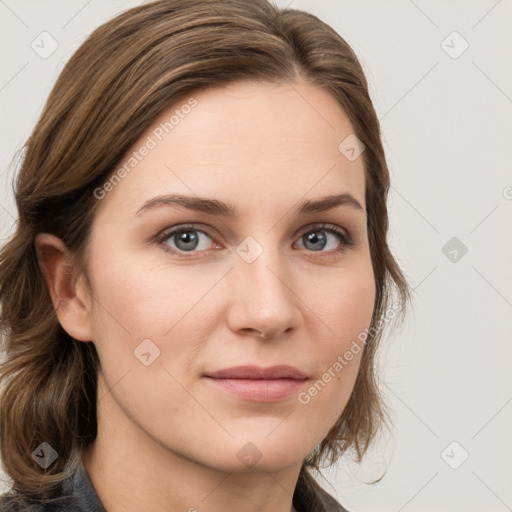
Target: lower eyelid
345,239
168,234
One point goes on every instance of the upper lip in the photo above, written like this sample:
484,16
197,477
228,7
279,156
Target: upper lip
259,373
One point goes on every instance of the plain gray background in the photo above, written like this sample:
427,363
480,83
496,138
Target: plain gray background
446,114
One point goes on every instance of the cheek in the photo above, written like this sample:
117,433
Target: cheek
344,305
354,307
345,311
139,300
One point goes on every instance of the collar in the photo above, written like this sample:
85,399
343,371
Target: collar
308,495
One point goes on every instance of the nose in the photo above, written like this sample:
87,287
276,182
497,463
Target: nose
262,297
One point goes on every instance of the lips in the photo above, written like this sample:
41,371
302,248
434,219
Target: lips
258,384
257,373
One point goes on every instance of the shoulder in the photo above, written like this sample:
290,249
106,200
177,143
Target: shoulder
309,496
329,503
12,503
74,494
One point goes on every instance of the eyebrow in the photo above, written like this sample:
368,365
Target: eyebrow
219,208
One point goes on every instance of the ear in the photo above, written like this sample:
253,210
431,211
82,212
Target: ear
70,296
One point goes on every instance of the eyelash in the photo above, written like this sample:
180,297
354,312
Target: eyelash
345,239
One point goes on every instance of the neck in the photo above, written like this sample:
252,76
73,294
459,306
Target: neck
131,472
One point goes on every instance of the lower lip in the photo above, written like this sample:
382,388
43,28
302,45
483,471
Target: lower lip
262,390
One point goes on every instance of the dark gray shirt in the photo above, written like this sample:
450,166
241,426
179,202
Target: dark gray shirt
77,494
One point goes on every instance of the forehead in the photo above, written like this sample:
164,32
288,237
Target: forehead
250,142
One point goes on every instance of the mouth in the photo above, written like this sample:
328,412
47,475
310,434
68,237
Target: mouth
258,384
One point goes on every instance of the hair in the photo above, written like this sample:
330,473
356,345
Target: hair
121,78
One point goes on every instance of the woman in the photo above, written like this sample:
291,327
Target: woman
199,276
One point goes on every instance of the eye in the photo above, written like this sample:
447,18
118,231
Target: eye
185,239
322,236
190,239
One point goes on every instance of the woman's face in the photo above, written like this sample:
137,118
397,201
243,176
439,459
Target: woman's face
173,313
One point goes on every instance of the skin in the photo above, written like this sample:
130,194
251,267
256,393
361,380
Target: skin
167,440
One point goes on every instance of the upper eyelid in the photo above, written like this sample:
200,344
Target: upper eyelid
165,233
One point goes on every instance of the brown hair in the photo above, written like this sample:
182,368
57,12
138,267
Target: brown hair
121,78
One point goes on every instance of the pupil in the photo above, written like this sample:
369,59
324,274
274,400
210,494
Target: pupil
314,238
186,238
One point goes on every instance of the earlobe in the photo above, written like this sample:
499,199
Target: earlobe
55,262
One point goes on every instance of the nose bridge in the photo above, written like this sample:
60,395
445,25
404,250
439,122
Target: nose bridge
262,294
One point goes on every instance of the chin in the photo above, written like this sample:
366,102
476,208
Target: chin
253,461
268,452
